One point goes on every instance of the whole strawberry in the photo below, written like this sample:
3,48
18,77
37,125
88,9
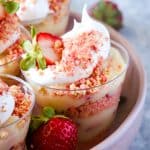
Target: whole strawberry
109,13
59,133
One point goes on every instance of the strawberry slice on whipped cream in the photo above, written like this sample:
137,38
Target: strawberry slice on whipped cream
51,46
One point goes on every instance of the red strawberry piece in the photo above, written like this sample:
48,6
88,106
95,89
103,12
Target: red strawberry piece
57,134
49,62
51,46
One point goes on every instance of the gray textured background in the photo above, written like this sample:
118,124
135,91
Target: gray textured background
137,30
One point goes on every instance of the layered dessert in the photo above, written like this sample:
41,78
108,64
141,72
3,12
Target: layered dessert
16,102
53,17
11,36
79,74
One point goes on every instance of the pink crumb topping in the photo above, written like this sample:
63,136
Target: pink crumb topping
22,100
12,52
7,26
77,51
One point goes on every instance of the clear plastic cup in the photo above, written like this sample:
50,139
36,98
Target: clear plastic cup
14,131
12,67
93,109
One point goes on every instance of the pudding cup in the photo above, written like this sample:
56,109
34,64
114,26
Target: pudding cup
14,131
56,22
12,67
93,109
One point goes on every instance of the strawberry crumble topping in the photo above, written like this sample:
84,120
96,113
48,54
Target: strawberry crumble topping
8,26
55,5
78,51
12,52
22,100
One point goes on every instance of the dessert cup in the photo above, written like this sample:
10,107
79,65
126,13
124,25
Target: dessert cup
13,132
10,65
93,109
56,21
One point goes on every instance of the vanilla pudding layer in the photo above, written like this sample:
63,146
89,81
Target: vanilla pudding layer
62,100
11,68
10,59
56,22
13,137
95,117
93,126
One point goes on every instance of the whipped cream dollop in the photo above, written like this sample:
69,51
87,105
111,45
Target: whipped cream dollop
55,74
7,105
33,11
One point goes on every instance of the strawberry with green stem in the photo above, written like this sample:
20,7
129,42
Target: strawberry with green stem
33,54
52,132
44,50
109,13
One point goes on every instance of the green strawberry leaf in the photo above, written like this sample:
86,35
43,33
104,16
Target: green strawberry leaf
48,112
27,63
109,13
97,14
36,122
40,59
34,53
41,62
98,11
33,32
101,6
11,7
2,1
27,46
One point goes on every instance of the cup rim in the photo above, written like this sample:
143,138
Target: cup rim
32,98
121,48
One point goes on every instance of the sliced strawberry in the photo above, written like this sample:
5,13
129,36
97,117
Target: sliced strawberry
51,45
49,61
